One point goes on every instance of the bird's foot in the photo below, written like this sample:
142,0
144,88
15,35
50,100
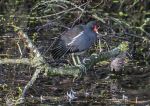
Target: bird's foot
86,60
82,67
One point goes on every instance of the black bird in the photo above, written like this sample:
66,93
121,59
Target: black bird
77,39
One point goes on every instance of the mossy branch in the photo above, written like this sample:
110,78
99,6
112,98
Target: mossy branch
95,58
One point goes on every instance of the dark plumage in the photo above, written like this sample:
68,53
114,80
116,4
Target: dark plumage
77,39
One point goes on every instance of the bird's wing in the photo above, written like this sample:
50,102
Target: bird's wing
73,49
71,33
75,44
62,45
58,49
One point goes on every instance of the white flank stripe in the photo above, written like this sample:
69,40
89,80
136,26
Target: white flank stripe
75,38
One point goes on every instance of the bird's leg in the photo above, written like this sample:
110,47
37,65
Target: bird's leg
75,64
78,59
80,64
73,59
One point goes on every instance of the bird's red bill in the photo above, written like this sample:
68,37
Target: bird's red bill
95,29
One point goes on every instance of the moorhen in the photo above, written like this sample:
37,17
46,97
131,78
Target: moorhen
77,39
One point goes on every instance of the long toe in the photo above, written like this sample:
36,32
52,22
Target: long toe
82,67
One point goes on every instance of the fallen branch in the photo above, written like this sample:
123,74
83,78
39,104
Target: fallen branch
95,58
15,61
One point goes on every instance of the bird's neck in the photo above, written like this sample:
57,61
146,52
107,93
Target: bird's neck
87,30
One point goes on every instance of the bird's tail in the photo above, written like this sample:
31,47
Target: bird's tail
58,48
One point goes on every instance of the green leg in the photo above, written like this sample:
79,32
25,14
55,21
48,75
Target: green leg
78,59
73,59
78,63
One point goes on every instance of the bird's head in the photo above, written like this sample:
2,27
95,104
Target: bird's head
92,25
